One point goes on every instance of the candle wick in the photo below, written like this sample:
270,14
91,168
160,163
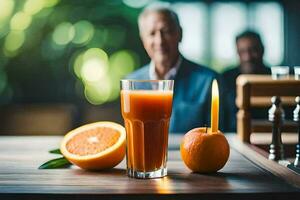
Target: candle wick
205,128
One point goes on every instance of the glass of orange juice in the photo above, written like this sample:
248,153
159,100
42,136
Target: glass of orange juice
146,109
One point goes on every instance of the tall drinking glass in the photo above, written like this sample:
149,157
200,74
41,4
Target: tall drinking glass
280,72
297,72
146,108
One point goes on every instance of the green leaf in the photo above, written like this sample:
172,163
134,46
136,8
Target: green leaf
55,151
56,164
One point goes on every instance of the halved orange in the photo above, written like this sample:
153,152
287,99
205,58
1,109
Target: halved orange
96,146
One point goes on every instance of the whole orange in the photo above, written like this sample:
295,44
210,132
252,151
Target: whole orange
204,152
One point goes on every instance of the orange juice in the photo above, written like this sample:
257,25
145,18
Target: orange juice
146,115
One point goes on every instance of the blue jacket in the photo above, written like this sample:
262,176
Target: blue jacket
192,95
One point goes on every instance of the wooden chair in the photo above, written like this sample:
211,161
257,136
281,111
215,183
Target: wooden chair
37,119
256,91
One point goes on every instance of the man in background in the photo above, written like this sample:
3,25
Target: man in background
250,50
161,33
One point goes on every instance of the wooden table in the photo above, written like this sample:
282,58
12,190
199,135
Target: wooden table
247,175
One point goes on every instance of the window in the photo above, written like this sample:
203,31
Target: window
210,30
268,21
195,13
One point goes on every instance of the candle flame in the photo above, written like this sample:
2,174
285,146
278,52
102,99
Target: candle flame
215,107
215,88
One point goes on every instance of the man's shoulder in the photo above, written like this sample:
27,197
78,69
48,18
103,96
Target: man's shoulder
266,70
199,69
141,73
231,72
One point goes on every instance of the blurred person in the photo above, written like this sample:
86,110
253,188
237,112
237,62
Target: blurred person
161,33
250,50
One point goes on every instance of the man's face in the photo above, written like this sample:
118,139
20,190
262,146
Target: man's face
250,54
160,38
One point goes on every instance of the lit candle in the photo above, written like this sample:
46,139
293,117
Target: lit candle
214,107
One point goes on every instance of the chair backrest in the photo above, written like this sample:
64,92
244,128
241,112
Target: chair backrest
37,119
256,91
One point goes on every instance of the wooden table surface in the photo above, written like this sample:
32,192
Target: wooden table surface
245,176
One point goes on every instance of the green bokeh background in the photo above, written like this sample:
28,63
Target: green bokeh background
66,51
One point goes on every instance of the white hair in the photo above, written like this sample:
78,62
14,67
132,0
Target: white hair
159,8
